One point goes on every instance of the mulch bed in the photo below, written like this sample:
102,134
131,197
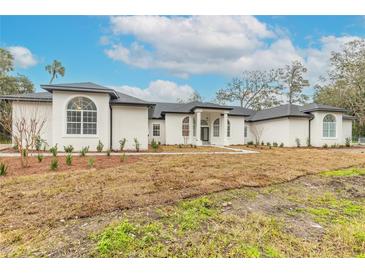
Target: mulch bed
78,163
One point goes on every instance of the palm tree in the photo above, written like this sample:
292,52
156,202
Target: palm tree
55,69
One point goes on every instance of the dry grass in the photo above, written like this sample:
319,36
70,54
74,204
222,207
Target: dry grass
38,200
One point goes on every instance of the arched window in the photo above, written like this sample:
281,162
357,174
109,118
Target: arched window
216,128
228,128
329,126
81,116
185,127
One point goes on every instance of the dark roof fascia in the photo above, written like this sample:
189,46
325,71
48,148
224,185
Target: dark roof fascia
241,115
324,110
349,117
51,88
280,117
176,112
35,100
131,104
206,107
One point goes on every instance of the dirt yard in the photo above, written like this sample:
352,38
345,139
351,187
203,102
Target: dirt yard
39,210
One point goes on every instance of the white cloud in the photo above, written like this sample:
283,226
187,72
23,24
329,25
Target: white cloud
188,45
159,90
224,45
23,57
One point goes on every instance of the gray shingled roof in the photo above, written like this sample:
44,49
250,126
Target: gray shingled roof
85,86
278,112
320,107
160,109
127,99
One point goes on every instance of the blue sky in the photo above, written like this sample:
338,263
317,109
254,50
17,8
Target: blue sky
164,58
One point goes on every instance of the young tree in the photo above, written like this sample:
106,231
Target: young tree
292,79
26,127
55,69
6,62
344,85
254,89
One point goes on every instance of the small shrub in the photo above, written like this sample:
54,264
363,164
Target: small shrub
91,162
136,144
268,144
123,158
54,150
38,143
100,147
297,141
108,153
68,149
334,146
281,144
122,143
325,146
250,143
69,159
262,143
348,142
180,145
40,158
275,144
195,146
155,145
54,164
3,169
83,151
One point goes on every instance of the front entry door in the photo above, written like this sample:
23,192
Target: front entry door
204,134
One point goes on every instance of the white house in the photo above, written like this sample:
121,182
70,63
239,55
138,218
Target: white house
82,114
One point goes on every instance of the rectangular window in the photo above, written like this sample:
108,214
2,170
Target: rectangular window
245,134
329,129
73,122
156,130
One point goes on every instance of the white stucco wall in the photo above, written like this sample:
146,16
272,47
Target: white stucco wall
275,130
35,110
346,129
130,122
298,128
237,130
173,128
161,138
60,101
317,138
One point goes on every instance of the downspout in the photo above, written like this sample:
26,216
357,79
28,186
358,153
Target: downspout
111,127
309,131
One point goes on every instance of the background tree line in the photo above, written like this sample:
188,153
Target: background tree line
11,84
342,86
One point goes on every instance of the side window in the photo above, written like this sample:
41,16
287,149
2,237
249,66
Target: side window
156,130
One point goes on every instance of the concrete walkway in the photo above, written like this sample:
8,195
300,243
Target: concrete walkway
230,151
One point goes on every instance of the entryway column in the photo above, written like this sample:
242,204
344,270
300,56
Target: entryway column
224,133
198,141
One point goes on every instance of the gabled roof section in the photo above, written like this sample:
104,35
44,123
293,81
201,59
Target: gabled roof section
320,107
278,112
84,87
30,97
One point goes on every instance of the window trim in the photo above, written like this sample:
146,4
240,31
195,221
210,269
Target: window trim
153,130
329,123
228,129
81,135
216,126
185,124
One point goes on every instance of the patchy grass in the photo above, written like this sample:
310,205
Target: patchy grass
344,172
44,203
187,148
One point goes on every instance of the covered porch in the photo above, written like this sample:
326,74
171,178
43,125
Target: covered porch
211,127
